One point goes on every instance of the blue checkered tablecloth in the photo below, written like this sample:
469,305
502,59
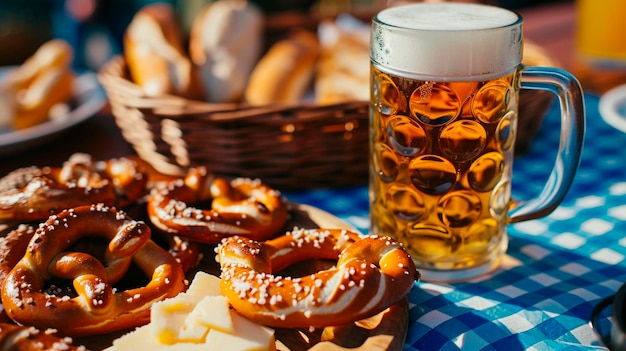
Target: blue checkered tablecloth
556,270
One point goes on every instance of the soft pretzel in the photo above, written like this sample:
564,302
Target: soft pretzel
33,193
22,338
14,244
96,307
44,80
153,49
242,206
372,274
12,248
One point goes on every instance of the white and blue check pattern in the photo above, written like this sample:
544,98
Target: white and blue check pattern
557,268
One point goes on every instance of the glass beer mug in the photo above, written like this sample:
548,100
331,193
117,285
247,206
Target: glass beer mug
445,81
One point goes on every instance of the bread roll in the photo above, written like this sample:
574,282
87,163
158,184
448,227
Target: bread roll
54,54
153,49
285,72
225,42
31,90
343,67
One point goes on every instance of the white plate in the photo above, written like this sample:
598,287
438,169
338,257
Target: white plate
89,98
613,107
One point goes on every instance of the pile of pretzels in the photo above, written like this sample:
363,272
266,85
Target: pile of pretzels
92,244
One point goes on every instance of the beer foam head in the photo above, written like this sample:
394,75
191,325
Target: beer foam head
447,41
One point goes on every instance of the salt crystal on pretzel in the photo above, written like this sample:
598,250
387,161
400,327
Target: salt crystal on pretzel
24,338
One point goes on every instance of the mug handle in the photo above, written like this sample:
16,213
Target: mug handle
570,96
594,318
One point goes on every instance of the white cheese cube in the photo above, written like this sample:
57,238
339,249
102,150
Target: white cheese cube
212,312
248,336
203,284
135,340
167,318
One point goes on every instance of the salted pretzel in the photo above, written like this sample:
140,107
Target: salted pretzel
372,274
242,207
34,193
14,244
12,248
23,338
96,307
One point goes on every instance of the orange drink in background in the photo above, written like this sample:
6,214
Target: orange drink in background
601,43
602,29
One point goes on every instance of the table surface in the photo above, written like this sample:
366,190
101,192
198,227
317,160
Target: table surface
556,269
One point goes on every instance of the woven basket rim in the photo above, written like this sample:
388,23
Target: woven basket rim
114,77
289,146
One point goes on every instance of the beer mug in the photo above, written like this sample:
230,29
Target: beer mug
445,81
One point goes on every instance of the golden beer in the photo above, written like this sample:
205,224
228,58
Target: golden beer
445,81
441,166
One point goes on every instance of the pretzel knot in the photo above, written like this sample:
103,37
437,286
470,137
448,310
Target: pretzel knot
26,338
242,207
372,273
186,252
95,306
33,193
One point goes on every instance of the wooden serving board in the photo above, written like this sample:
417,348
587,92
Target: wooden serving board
385,331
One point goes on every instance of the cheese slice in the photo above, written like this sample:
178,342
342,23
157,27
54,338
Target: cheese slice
168,316
140,337
194,332
143,338
181,346
213,312
197,320
248,336
203,284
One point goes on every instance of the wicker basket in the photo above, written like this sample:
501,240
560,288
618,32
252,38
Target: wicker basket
287,146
